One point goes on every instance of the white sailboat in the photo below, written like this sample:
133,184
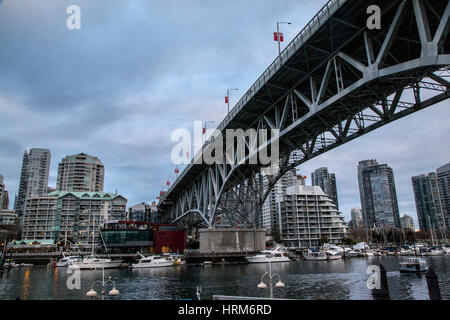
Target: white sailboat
92,261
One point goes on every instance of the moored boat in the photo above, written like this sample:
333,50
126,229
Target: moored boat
93,262
413,265
314,255
333,255
67,261
265,256
154,261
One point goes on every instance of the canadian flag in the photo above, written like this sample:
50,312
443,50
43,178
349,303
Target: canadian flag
204,130
226,99
275,36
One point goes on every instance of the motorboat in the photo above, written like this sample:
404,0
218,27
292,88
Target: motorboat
67,261
315,255
154,261
377,253
355,253
333,255
10,264
368,253
275,255
435,251
413,265
25,265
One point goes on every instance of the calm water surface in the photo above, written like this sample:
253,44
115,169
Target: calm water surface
329,280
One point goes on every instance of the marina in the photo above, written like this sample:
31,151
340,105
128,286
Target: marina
343,279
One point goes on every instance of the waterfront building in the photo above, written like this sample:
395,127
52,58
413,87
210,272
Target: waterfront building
33,176
144,237
429,207
8,217
407,222
308,217
357,219
378,195
143,212
443,178
80,172
4,196
327,182
70,216
270,212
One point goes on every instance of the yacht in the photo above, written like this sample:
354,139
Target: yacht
275,255
435,251
333,255
413,265
154,261
315,255
67,261
368,253
355,253
93,262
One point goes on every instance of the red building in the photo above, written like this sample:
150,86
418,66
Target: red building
144,237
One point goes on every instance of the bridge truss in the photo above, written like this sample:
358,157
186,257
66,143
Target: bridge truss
335,84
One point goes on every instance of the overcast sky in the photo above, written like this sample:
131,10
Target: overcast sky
139,69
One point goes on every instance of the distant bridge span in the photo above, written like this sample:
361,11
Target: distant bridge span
336,81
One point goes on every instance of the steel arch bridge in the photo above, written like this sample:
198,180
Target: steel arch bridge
336,81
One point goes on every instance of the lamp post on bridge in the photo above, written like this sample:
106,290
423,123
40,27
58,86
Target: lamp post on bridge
227,98
279,38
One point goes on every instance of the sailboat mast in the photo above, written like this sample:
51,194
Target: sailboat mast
93,234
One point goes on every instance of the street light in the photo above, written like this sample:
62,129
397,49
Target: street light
279,284
228,98
278,36
112,292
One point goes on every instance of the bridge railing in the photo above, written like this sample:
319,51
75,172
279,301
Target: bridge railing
313,25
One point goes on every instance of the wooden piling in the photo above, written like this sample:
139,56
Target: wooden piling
383,292
433,285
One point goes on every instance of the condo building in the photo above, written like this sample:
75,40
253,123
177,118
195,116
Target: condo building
33,176
308,217
80,172
4,196
143,212
407,222
327,182
357,221
7,217
270,212
443,178
378,195
430,213
70,216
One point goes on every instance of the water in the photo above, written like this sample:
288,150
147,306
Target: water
317,280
